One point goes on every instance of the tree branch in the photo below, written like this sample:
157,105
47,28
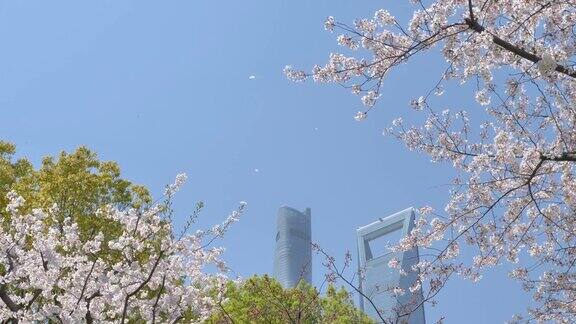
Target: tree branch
124,312
226,313
89,318
37,293
474,25
158,299
7,300
84,286
565,157
470,7
330,263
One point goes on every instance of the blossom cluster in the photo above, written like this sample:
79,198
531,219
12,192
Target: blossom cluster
514,196
141,271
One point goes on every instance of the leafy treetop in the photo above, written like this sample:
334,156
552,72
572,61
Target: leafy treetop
262,299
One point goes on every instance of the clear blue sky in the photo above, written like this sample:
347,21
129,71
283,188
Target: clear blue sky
163,87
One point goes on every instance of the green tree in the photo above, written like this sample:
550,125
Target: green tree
262,299
78,183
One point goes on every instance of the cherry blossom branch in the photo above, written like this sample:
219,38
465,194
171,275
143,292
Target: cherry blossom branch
158,299
142,285
564,157
88,317
431,294
7,300
332,267
474,25
85,285
515,188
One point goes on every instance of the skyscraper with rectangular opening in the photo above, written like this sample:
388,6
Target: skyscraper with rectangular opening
293,254
377,279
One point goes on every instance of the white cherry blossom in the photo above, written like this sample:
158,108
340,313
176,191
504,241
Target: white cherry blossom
145,273
514,196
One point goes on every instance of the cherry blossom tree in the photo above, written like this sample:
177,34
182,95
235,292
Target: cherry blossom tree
514,196
150,272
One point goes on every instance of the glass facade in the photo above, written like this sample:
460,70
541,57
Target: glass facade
378,280
293,253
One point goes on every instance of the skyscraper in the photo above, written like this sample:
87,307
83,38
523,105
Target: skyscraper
377,279
293,254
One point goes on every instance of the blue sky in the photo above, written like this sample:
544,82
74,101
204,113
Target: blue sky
164,87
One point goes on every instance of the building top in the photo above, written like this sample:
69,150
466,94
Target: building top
386,221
